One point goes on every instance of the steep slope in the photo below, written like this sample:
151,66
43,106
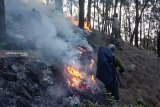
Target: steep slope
142,72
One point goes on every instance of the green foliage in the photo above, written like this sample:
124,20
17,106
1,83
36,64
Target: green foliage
109,97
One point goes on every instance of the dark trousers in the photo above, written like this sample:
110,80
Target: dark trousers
113,88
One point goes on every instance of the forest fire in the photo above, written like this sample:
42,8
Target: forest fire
78,80
87,25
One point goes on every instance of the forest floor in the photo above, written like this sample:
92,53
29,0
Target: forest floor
142,72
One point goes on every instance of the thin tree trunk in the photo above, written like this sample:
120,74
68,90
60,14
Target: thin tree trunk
103,19
106,15
115,6
89,13
81,14
141,33
154,45
144,33
2,17
148,36
158,43
71,7
98,15
94,12
137,22
120,13
129,21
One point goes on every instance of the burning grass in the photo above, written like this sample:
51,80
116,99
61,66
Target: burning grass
75,22
79,80
81,77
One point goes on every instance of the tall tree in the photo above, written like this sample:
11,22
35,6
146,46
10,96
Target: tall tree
136,23
148,36
138,18
59,5
94,13
158,43
98,12
120,14
103,15
2,17
89,12
115,6
81,13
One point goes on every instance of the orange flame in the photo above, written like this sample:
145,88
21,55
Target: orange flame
93,79
74,73
87,25
75,77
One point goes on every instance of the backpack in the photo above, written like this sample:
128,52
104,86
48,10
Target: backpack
105,65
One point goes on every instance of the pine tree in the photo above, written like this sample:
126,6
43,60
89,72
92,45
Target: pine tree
81,13
158,44
2,17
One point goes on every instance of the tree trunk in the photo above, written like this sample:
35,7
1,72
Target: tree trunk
120,13
106,26
59,5
144,33
135,31
141,33
158,43
81,14
98,15
136,24
71,7
103,19
89,13
2,17
115,6
148,36
94,12
129,21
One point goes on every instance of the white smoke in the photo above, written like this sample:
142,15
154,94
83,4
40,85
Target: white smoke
47,29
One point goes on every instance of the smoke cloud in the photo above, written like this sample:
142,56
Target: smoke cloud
47,29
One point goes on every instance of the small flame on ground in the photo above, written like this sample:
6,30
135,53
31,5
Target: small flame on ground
87,25
93,79
73,72
74,76
77,80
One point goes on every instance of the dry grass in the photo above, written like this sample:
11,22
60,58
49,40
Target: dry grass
141,81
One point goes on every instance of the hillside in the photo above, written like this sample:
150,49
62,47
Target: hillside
56,71
142,72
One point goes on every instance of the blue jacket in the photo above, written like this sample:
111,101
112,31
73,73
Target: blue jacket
105,68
